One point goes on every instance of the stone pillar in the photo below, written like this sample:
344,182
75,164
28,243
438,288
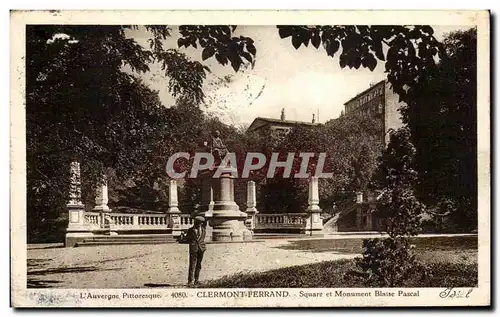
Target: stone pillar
101,198
227,220
207,195
173,208
359,212
77,229
314,223
251,205
101,206
369,220
359,197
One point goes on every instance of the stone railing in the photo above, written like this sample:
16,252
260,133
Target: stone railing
275,221
186,221
114,221
93,218
130,222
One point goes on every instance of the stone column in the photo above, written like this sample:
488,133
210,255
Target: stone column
314,223
77,228
359,211
251,205
101,206
101,198
369,219
173,208
359,197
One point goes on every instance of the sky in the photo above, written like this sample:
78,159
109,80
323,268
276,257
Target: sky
303,81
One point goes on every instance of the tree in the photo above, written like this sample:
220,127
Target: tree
351,145
82,105
442,117
391,262
396,177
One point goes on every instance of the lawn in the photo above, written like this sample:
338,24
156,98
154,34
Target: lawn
446,243
453,262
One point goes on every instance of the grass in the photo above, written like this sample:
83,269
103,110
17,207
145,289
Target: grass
451,243
337,274
453,262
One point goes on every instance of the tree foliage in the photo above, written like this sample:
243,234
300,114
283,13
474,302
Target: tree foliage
351,145
442,117
82,104
219,41
410,49
397,177
408,52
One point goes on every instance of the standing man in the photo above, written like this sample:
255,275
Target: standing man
195,236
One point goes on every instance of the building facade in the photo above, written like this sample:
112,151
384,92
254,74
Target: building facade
279,126
378,101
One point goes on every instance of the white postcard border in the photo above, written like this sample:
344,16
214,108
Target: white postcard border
23,297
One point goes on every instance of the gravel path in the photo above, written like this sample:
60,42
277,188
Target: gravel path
164,265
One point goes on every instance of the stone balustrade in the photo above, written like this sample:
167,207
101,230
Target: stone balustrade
276,221
93,220
186,221
114,221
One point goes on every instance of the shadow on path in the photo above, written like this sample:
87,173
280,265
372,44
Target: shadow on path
158,285
48,246
34,283
37,283
63,270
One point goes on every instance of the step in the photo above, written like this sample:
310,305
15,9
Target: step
126,237
97,243
130,240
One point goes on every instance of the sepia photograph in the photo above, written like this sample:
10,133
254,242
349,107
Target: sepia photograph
307,163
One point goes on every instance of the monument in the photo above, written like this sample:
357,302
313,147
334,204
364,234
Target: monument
225,220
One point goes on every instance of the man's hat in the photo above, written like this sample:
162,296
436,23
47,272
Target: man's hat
199,219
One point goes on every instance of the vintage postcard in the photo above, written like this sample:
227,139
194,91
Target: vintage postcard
250,158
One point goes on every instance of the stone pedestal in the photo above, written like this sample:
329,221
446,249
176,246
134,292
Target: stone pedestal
227,221
314,223
251,206
207,194
173,209
77,229
207,201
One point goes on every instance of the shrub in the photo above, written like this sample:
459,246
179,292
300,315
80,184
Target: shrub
389,262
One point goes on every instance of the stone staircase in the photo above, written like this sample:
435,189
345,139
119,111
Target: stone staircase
127,239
